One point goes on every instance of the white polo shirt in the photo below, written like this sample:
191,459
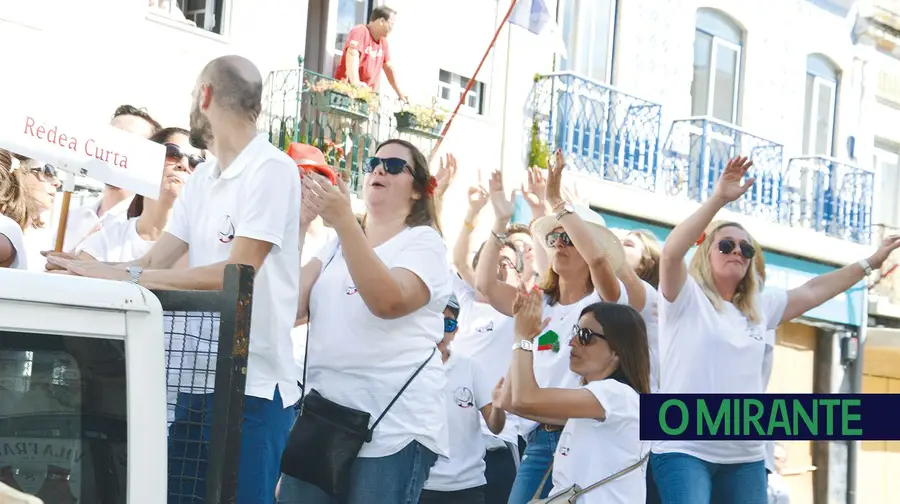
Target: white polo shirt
466,392
257,197
83,221
118,241
13,232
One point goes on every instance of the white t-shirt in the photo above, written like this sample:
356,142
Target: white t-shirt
778,491
590,450
650,314
704,351
466,392
13,232
311,248
118,241
551,360
361,361
83,221
486,336
256,197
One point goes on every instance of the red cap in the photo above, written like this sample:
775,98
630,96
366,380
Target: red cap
311,159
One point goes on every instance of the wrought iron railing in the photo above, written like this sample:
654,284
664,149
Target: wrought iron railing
346,130
828,196
602,130
698,149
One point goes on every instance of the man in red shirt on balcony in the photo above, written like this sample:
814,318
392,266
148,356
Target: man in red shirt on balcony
366,52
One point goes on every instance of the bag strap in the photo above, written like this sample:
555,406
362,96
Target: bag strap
619,474
537,495
403,389
306,345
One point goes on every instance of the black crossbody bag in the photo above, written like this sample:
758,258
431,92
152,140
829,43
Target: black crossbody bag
327,437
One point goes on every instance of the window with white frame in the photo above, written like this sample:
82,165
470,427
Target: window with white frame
206,14
822,78
887,165
589,30
451,87
716,87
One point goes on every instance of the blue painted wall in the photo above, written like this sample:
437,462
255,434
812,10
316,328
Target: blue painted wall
784,272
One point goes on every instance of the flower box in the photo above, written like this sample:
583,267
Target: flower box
406,123
342,105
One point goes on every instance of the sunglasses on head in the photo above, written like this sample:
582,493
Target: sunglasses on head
46,171
558,235
450,324
727,246
173,151
392,165
584,335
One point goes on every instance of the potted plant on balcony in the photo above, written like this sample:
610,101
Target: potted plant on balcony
344,99
421,120
539,151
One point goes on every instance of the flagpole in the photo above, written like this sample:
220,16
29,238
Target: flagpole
462,97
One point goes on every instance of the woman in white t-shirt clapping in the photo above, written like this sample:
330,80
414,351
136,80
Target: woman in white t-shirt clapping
601,439
375,297
715,327
584,256
131,239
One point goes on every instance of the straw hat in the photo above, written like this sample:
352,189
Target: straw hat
602,235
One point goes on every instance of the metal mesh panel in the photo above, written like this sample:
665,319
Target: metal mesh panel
207,338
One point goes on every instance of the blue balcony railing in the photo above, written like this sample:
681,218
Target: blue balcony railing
698,149
601,129
828,196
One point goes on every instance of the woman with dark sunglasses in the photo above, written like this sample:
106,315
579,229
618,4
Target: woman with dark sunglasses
715,330
601,438
124,241
584,256
375,299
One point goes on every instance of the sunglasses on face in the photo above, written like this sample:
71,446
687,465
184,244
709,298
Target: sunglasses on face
558,235
173,151
392,165
46,171
584,335
727,246
450,324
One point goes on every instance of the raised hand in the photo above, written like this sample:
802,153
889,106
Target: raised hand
445,175
497,395
528,310
728,187
331,202
500,200
535,187
553,190
478,198
888,245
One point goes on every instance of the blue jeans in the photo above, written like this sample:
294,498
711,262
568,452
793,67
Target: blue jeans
534,466
683,479
395,479
265,430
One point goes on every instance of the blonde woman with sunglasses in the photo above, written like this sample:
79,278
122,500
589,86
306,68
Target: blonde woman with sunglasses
715,327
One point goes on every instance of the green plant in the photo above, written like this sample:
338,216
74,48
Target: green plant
362,93
427,117
539,153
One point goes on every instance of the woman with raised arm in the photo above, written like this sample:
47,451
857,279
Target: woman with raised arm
714,330
584,255
600,458
375,297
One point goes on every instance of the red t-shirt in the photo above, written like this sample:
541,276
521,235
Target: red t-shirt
372,56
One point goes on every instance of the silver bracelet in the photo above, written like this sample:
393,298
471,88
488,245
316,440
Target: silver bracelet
501,238
864,263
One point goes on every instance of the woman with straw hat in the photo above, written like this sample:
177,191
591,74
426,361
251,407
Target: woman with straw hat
583,256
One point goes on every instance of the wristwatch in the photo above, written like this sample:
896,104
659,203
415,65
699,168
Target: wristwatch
526,345
566,209
135,272
864,263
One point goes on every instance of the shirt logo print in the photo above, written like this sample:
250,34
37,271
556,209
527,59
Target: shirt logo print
352,290
755,333
486,328
463,397
226,230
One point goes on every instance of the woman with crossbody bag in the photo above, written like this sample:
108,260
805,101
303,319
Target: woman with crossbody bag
600,457
372,421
